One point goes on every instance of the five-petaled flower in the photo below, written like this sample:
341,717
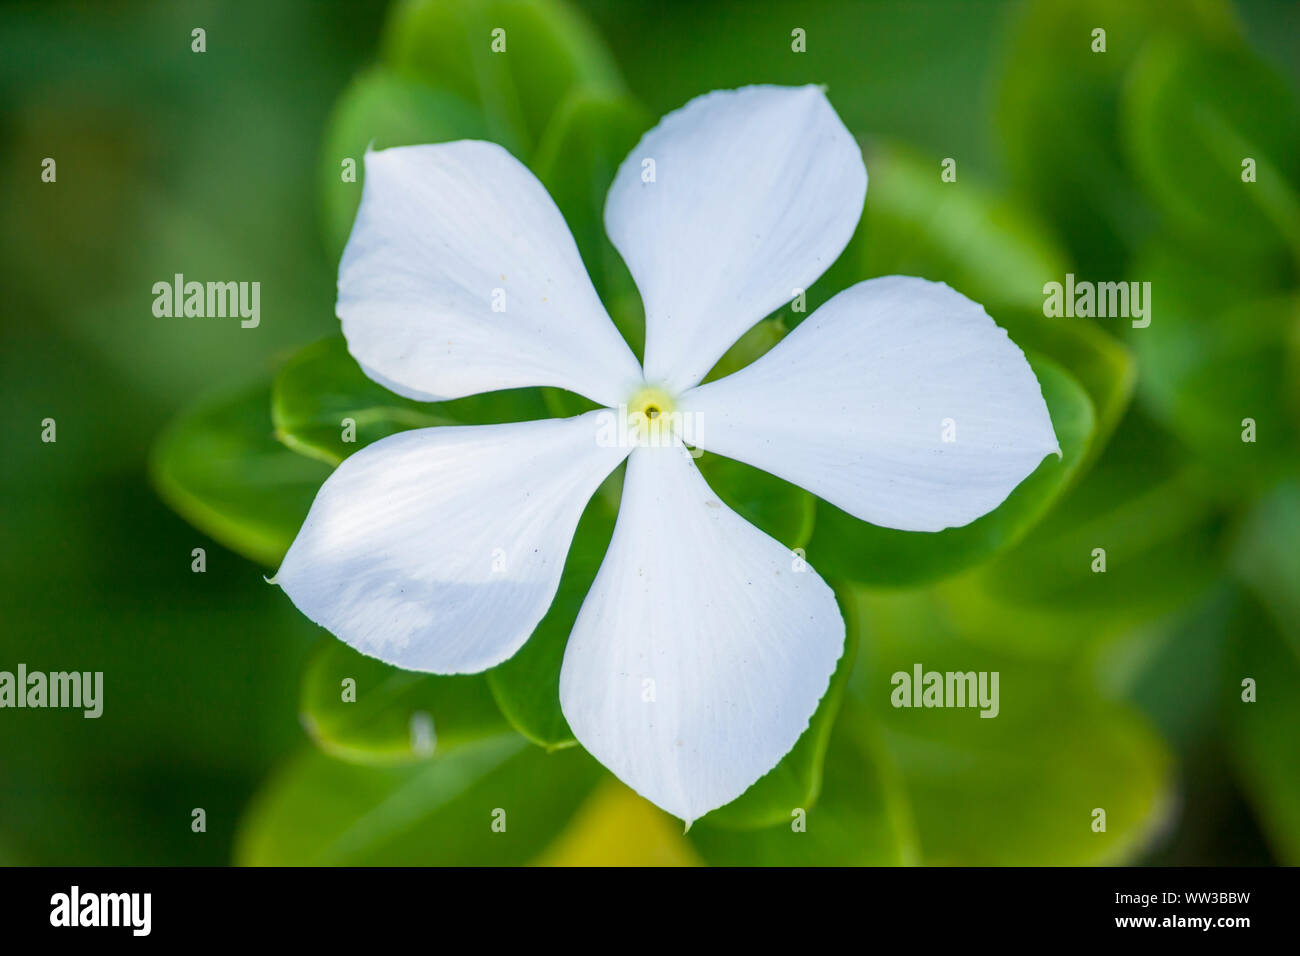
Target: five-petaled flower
756,192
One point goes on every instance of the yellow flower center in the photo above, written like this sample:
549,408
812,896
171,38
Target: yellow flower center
650,410
650,402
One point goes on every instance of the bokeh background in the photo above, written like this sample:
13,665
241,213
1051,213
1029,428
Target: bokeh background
1120,691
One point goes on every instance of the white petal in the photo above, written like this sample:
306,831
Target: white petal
440,549
445,232
700,653
857,402
756,192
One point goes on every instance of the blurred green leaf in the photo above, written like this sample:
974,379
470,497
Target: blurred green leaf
983,245
322,385
1172,669
565,404
1266,557
317,811
1156,518
1262,733
1241,373
843,547
220,467
759,340
390,716
861,818
527,687
795,782
1216,354
1027,780
784,511
549,51
379,110
1192,114
1058,114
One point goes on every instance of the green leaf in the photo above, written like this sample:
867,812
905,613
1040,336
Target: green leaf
983,245
1214,355
1265,734
1266,557
322,388
360,709
589,136
549,51
1241,373
784,511
753,345
1192,113
379,110
1172,669
1019,788
1262,735
861,819
527,687
843,547
317,811
796,781
1058,112
1156,518
220,467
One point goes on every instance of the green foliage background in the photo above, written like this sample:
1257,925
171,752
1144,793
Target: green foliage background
1119,691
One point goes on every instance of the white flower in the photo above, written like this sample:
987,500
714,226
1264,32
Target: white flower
440,549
